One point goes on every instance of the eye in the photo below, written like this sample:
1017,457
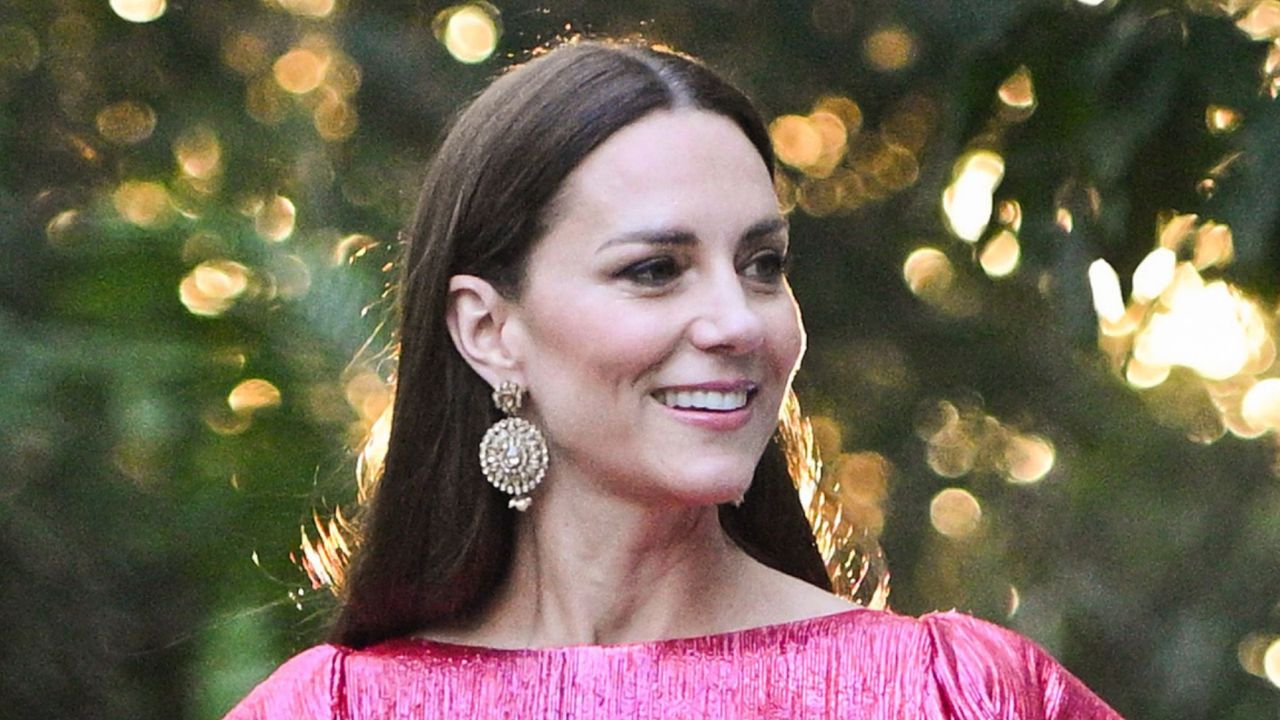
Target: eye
653,272
767,265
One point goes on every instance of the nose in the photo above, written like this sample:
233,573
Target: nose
727,319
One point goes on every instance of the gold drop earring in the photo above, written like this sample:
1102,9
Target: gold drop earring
513,453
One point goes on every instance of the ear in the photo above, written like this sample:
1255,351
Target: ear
476,314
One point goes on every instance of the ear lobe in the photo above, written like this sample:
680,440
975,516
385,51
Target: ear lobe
476,314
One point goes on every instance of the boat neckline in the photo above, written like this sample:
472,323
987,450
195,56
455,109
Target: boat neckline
790,625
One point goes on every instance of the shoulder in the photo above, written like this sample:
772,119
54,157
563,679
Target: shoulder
305,687
987,671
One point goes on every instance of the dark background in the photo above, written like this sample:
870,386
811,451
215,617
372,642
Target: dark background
175,222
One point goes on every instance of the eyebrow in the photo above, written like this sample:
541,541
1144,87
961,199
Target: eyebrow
675,236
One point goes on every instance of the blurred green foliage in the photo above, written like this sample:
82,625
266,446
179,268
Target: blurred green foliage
147,526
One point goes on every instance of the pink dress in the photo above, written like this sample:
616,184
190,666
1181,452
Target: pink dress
860,664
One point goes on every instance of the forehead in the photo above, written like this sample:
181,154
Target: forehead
691,168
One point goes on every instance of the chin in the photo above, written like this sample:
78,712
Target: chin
710,483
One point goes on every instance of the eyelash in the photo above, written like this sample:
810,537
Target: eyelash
644,272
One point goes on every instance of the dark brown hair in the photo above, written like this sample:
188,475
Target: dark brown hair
436,539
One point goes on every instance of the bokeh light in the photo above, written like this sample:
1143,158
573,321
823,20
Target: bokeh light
796,141
1221,119
889,48
999,258
213,286
955,513
253,395
927,270
1018,91
139,11
1261,404
1108,302
308,8
967,201
126,123
1028,458
300,70
143,203
1153,274
1262,22
275,220
199,153
1271,662
469,32
19,50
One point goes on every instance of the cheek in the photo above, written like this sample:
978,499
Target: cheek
786,336
587,342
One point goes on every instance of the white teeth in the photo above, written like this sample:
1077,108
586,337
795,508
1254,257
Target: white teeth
703,399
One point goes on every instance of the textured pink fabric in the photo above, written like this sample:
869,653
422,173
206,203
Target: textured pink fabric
860,664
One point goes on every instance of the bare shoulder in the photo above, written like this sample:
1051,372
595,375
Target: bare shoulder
781,598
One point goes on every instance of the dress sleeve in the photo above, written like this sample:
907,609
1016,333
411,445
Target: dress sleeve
308,686
986,672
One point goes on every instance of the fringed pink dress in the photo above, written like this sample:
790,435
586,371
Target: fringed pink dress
860,664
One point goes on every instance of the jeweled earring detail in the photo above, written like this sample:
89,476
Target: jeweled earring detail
513,453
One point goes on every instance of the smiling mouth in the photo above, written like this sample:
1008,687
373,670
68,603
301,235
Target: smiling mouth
705,400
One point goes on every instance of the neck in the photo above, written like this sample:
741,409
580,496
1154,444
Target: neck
592,569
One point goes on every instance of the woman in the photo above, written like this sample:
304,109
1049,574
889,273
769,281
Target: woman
598,251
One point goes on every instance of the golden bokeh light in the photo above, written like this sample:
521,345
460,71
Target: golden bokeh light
1018,90
253,395
796,141
1262,22
1143,375
369,395
967,201
1028,458
139,11
308,8
292,277
1250,652
221,420
350,248
469,32
1108,302
245,53
1001,255
1260,406
849,112
126,123
889,48
142,203
19,50
927,270
955,513
1010,215
265,101
820,196
334,118
275,220
60,230
198,152
1213,246
1209,328
1271,662
212,287
1153,275
1221,119
300,70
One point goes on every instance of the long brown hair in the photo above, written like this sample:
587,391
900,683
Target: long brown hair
435,539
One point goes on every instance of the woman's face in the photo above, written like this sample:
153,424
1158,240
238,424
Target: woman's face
656,333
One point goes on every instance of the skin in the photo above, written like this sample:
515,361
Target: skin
662,268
